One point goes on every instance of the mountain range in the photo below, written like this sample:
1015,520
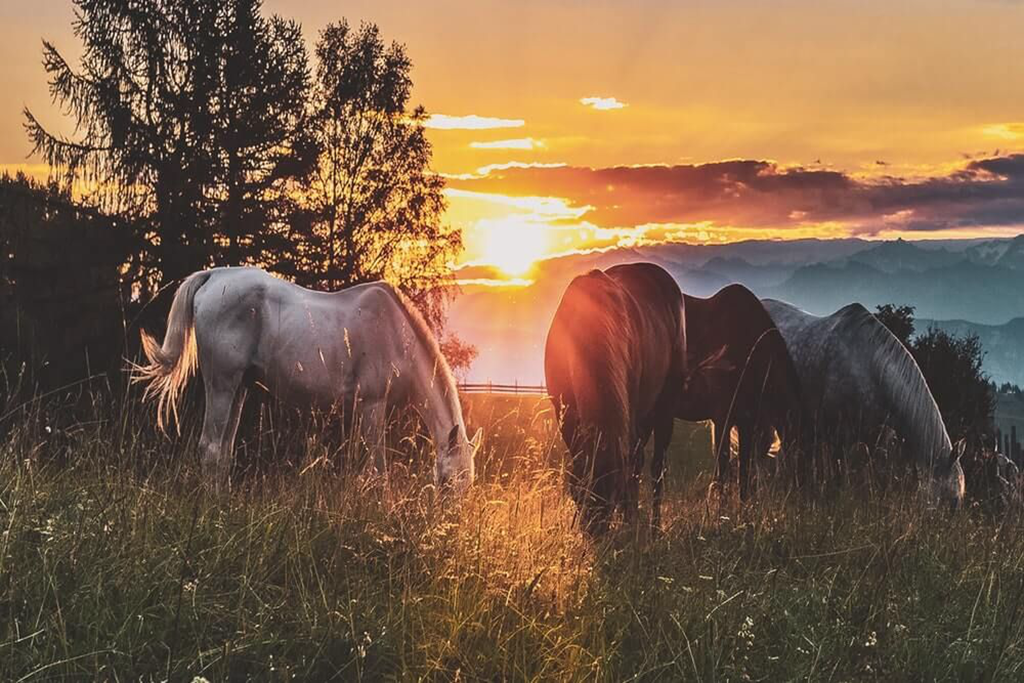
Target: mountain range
962,286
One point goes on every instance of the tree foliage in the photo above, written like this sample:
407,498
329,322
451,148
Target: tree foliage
190,120
61,294
200,127
899,320
374,206
953,368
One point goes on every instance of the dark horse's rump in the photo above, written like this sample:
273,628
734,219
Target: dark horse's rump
615,353
752,385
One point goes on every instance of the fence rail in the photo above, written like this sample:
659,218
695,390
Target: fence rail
492,388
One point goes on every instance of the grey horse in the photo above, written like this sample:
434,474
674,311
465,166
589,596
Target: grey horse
856,379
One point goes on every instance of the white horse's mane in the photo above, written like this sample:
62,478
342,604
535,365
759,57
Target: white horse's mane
429,341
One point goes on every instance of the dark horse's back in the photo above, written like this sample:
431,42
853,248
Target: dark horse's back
614,347
753,372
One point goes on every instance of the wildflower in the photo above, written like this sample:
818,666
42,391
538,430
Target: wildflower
872,640
364,643
746,631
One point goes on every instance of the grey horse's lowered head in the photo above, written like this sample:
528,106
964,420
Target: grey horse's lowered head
944,485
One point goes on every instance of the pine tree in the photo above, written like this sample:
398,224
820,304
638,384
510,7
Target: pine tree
190,120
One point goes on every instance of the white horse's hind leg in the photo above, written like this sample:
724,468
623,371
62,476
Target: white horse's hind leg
223,408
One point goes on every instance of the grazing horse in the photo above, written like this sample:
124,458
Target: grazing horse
614,359
755,388
857,380
363,350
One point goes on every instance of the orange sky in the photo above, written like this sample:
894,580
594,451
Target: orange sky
920,86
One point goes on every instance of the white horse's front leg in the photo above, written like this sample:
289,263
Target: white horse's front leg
371,425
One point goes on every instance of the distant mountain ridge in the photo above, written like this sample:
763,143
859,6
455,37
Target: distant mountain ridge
975,284
1003,345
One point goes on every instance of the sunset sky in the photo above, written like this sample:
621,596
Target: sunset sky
569,125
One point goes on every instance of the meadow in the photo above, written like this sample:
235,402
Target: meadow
116,564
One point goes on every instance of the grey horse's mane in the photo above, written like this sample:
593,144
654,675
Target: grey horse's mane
902,384
429,341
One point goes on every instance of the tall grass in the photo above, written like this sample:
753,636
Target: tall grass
115,565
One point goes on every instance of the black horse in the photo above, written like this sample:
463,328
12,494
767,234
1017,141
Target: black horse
614,362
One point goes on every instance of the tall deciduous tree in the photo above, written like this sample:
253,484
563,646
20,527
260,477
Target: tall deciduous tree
190,119
953,367
375,207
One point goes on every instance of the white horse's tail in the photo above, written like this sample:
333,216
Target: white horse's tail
169,366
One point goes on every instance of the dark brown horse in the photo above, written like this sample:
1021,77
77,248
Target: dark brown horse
743,376
614,362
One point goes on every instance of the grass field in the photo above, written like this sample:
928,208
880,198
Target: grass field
114,565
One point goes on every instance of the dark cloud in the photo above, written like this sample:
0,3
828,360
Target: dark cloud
752,193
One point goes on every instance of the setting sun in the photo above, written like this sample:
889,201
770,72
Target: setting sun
513,244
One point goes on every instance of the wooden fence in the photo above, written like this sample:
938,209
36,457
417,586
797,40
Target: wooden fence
514,389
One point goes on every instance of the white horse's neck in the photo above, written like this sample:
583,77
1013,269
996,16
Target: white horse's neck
435,392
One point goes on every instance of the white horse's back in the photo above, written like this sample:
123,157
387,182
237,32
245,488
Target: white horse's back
304,346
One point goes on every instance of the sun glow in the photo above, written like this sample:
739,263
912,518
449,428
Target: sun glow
512,243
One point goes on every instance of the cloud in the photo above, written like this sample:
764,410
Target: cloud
602,103
515,143
1004,131
470,122
759,194
485,171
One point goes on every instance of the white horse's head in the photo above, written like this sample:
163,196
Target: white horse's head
945,485
455,459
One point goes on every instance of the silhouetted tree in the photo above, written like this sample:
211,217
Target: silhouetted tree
198,127
190,119
953,367
61,291
375,207
459,354
1009,388
899,320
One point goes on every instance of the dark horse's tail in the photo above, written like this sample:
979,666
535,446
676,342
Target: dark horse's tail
585,366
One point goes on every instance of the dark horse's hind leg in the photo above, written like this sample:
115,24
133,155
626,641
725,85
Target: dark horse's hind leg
748,438
595,505
589,485
662,438
721,431
631,471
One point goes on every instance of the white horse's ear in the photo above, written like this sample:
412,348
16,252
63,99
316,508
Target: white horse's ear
453,438
477,440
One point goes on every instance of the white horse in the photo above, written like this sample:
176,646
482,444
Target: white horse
855,375
365,350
